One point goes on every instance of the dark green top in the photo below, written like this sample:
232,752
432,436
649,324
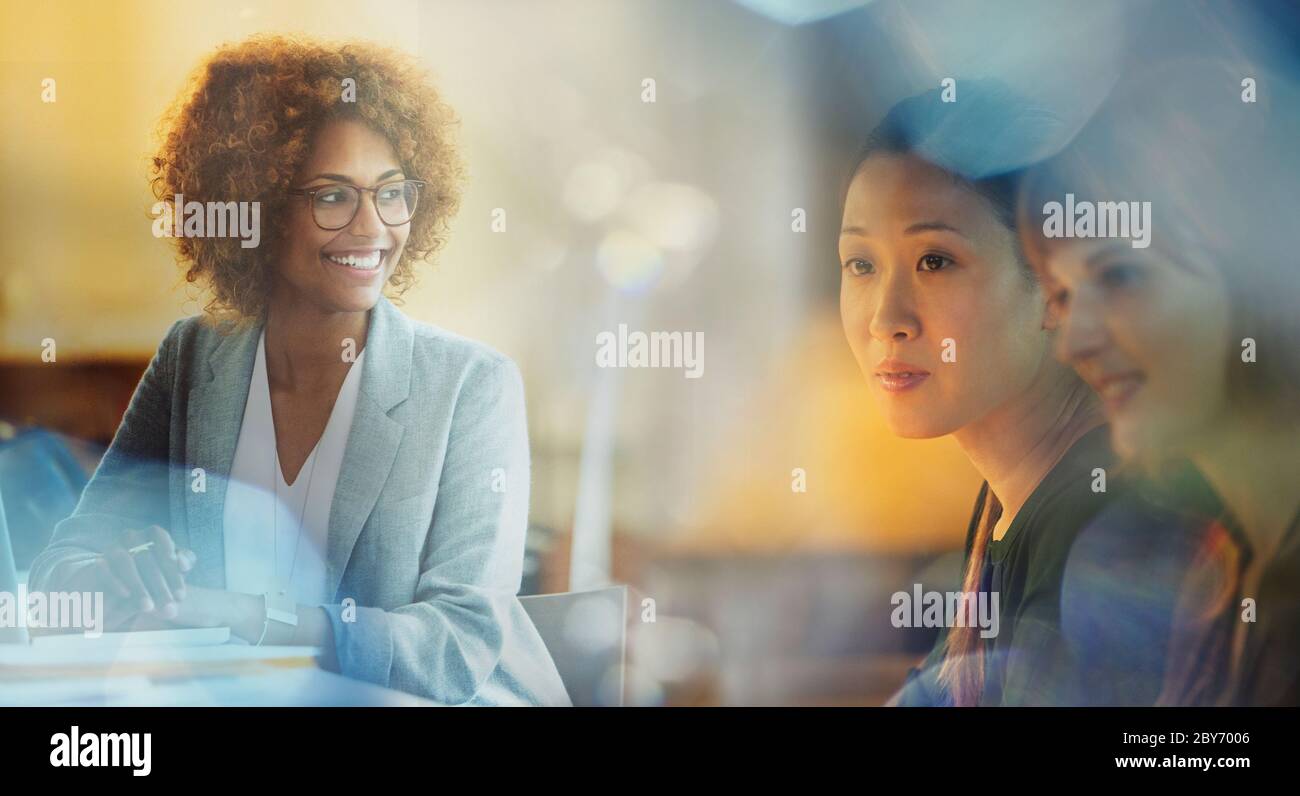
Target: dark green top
1111,559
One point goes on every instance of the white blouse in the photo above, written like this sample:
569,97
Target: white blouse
276,533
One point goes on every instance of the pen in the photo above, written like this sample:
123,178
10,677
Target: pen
185,557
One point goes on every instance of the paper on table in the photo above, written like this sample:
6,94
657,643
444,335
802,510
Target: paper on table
179,637
73,655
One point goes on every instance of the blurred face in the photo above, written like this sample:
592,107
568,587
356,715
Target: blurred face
342,270
937,310
1149,335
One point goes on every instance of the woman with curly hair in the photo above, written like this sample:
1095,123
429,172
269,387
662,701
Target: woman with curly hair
305,464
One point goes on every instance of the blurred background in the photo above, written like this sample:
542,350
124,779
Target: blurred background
713,208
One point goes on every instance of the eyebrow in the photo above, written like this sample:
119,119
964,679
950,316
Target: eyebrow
342,178
918,227
932,226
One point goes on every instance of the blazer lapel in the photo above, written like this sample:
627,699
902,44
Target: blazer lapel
215,414
373,441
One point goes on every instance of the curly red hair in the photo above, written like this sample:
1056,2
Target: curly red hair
246,123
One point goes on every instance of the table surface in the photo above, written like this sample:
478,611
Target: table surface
305,686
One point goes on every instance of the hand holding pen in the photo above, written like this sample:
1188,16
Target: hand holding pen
143,572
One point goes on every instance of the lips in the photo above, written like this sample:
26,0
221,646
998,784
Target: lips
896,376
1117,389
358,264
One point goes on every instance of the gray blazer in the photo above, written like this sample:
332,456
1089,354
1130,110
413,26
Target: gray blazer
426,529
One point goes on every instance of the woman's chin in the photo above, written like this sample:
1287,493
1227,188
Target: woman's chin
911,426
1133,437
1125,446
355,300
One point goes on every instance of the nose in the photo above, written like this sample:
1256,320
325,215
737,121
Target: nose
1082,333
366,223
895,316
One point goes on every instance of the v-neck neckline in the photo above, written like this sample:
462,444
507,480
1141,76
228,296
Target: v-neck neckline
279,471
265,377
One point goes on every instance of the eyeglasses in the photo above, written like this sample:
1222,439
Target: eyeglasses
334,206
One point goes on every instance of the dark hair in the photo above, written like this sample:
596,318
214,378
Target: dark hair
984,138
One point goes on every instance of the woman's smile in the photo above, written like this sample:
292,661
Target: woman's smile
1118,389
361,265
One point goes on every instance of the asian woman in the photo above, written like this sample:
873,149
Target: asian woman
947,323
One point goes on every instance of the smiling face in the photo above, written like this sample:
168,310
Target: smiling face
342,270
928,274
1149,335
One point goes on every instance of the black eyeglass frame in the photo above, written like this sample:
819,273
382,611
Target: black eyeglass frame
310,193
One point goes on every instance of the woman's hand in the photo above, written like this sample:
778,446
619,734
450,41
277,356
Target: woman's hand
142,573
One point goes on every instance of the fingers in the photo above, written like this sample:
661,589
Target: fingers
94,573
104,577
159,592
146,580
122,564
164,556
156,566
